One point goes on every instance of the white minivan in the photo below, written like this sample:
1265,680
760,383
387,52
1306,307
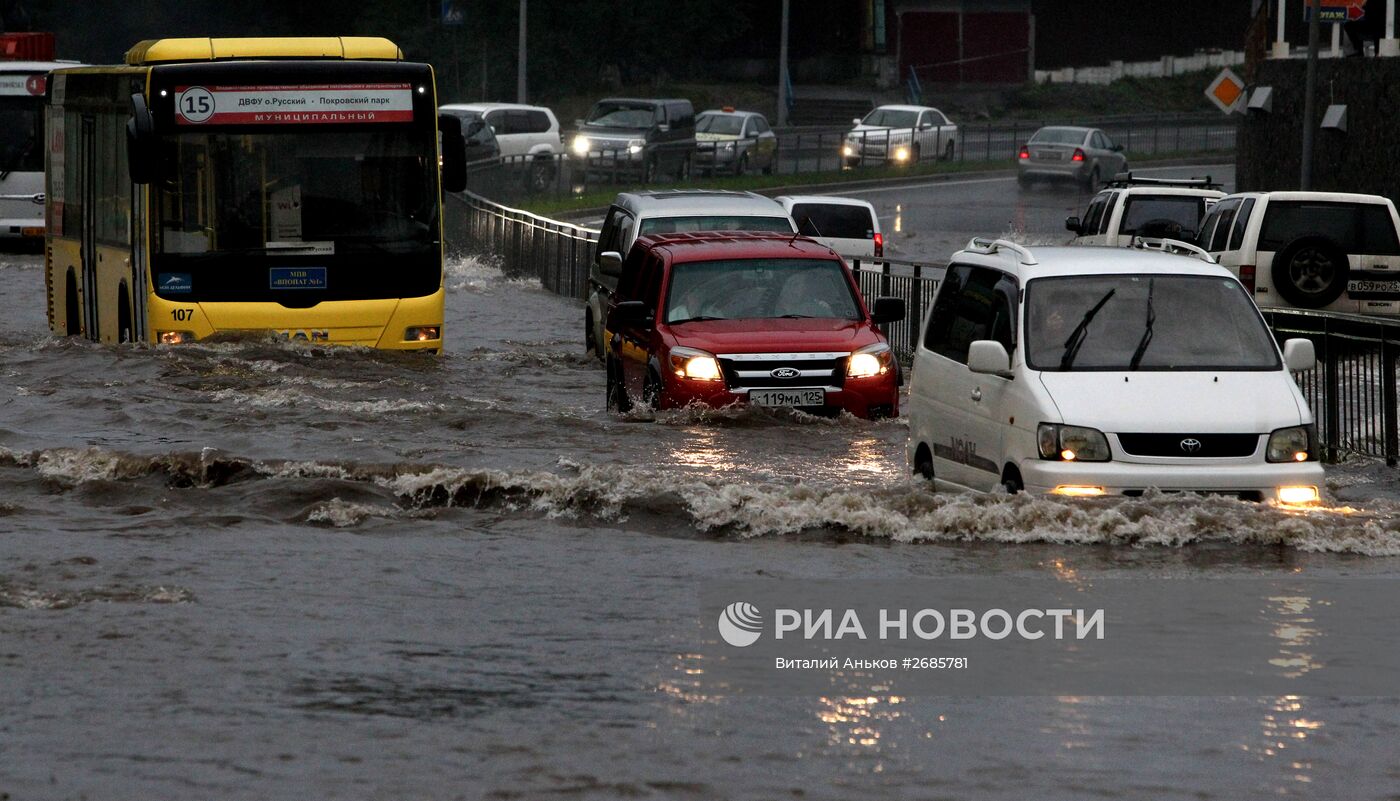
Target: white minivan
846,225
1107,371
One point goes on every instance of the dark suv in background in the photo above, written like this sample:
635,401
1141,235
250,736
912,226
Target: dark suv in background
637,137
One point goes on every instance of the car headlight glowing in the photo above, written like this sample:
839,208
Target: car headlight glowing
871,361
174,337
422,333
1298,496
581,145
634,146
726,145
848,151
901,154
1072,443
1293,444
696,365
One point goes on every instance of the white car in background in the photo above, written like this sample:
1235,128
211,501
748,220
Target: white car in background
527,135
846,225
1144,207
1107,371
900,135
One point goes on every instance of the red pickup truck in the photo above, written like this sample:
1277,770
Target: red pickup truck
768,319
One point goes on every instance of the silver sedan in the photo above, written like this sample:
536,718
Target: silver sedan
1084,155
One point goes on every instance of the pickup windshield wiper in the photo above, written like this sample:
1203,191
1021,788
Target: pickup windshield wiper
1147,330
1081,332
699,318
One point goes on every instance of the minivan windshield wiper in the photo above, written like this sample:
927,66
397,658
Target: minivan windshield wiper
1081,332
1147,330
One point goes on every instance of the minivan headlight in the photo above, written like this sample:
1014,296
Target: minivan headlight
870,361
1063,443
696,365
1293,444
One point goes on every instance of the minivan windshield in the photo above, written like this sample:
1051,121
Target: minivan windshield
760,288
834,220
1184,210
1144,322
622,115
713,222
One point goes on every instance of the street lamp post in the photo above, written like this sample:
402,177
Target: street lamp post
783,70
520,66
1309,92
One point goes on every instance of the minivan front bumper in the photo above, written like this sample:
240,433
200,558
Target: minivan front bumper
1262,481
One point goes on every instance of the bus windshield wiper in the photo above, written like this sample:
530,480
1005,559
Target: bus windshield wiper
1081,332
1147,330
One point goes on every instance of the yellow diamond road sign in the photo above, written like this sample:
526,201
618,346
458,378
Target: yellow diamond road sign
1227,91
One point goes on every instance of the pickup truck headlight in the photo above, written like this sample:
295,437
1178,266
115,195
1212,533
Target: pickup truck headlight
1063,443
581,146
635,146
696,365
870,361
1294,444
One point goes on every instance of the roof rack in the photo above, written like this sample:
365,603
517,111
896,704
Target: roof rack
982,244
1173,246
1127,179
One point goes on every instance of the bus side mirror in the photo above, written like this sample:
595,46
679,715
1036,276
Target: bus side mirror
141,154
454,153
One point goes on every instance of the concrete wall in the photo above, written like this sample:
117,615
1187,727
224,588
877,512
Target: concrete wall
1365,159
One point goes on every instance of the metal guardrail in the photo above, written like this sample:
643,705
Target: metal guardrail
1352,391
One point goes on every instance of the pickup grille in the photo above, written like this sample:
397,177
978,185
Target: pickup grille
1190,446
755,370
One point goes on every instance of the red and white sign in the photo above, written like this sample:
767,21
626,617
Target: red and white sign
17,83
294,105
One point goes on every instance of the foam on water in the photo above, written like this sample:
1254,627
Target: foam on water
906,512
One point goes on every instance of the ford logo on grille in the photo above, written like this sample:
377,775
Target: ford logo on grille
785,372
1190,445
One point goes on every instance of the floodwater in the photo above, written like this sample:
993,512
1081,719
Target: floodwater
257,570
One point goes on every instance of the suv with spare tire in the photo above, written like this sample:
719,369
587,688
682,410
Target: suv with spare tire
1309,250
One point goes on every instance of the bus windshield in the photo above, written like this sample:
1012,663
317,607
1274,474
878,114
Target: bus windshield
290,190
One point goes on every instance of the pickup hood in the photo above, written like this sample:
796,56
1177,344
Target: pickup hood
773,335
1173,402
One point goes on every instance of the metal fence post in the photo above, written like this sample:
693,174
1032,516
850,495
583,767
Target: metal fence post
1390,414
1332,400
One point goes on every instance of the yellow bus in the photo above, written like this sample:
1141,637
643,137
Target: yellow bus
248,186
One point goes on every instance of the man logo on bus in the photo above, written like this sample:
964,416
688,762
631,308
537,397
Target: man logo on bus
195,104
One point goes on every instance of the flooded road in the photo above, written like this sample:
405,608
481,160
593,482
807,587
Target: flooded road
256,570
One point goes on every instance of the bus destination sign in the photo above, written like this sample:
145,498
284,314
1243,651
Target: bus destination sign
294,105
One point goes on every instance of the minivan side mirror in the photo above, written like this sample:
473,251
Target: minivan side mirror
1072,224
454,153
989,357
141,156
610,263
630,312
887,310
1299,354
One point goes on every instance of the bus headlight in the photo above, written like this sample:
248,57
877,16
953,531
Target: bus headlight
1293,444
174,337
1072,443
581,146
696,365
871,361
422,333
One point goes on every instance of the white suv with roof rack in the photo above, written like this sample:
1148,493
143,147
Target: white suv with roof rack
1132,206
1311,250
1107,371
524,134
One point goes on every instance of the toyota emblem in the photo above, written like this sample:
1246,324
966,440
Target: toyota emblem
785,372
1190,445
